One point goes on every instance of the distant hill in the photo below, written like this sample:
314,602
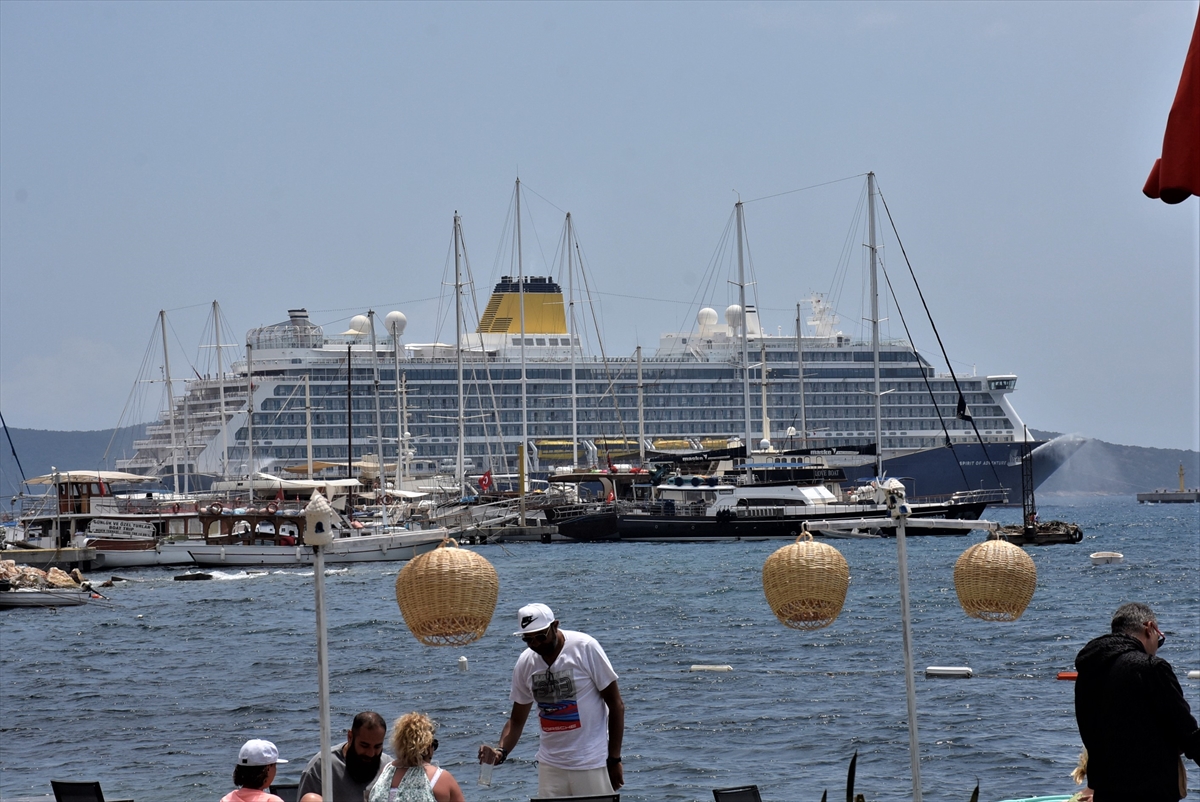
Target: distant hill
40,450
1098,467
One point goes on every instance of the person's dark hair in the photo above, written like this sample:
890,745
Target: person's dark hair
250,776
1130,618
370,720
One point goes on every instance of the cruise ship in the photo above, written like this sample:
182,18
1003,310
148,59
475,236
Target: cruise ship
335,398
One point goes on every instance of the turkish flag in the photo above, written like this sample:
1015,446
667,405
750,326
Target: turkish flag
1176,176
485,482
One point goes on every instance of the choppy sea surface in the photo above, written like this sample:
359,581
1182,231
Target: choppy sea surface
153,692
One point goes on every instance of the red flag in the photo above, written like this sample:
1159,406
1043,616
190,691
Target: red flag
485,481
1176,176
611,497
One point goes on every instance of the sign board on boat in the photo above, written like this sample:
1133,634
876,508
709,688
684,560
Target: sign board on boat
107,526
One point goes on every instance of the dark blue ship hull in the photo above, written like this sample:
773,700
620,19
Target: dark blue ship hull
936,472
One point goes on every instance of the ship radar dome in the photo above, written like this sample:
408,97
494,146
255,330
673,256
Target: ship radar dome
396,321
706,317
358,325
733,315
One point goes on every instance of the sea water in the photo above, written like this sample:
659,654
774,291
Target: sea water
154,692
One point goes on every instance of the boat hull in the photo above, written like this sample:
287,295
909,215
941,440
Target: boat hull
366,548
137,554
58,597
667,528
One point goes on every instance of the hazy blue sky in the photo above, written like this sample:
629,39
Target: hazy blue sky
272,155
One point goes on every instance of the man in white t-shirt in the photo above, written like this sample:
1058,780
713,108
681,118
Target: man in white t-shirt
581,716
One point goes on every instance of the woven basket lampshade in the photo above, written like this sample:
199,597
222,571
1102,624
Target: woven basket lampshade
447,596
805,583
995,580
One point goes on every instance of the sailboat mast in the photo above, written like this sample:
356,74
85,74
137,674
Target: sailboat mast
641,412
382,490
400,406
162,324
459,471
221,392
766,421
250,416
349,413
875,322
745,344
800,377
308,423
571,333
521,301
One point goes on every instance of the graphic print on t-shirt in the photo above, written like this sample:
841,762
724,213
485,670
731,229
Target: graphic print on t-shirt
558,709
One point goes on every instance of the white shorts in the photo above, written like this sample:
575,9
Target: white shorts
553,782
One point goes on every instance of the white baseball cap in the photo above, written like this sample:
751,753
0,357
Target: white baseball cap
259,753
533,618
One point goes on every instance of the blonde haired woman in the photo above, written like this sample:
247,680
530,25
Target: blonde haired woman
411,777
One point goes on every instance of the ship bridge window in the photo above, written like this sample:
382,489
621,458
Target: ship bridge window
1001,384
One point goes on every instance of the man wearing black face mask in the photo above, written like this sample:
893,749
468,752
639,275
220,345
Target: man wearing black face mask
355,763
1131,713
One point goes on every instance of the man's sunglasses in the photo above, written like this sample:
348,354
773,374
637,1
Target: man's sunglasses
537,637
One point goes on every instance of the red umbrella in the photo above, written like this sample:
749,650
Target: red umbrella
1176,176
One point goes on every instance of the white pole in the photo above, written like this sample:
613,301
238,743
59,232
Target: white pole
308,423
641,411
800,377
221,393
322,672
162,324
745,336
914,754
875,322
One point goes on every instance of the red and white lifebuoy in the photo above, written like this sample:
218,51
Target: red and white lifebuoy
175,508
215,508
272,508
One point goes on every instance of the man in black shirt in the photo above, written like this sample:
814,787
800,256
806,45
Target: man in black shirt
1131,713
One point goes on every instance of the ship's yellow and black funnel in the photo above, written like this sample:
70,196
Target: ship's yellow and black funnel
544,313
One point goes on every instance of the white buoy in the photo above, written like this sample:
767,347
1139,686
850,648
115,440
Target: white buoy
1191,674
949,672
711,668
462,663
1107,557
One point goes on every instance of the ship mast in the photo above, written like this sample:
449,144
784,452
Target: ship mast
766,421
221,392
524,408
462,411
382,490
641,412
741,221
250,416
162,324
571,340
800,377
875,322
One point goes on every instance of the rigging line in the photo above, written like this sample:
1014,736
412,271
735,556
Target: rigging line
802,189
190,306
132,391
543,197
961,400
583,273
483,355
357,309
12,447
936,407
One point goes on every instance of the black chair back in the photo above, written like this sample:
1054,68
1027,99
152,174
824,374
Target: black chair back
600,798
288,792
76,792
745,793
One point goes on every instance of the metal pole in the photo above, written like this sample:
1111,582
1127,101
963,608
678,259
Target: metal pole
162,324
875,322
745,335
382,475
800,378
641,412
250,418
322,672
308,423
914,754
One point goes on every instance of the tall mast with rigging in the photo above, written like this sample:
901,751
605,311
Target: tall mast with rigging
875,322
382,475
162,324
459,471
741,222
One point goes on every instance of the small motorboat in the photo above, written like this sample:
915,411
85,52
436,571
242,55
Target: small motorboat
44,597
1107,557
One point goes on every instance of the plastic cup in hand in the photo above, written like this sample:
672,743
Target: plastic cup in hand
485,774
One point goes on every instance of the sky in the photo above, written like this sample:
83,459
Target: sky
278,155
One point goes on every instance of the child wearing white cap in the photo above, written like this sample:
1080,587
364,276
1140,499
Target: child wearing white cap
254,772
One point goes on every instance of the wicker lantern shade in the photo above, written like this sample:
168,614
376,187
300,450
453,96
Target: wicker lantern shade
447,596
805,583
995,580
